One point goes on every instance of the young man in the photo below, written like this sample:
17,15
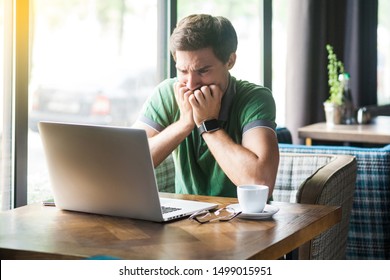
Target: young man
221,130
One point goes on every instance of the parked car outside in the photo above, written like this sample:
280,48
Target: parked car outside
101,103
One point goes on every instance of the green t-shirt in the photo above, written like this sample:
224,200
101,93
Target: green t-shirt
244,106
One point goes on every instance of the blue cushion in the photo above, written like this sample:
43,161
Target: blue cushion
284,135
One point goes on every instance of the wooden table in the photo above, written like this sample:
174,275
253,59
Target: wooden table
44,232
377,132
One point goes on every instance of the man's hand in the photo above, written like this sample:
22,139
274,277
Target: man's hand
206,103
182,95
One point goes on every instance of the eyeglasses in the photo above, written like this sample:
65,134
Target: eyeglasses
222,215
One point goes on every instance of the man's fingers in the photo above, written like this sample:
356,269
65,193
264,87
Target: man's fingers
199,95
215,91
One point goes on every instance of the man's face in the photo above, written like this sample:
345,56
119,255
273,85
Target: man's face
202,68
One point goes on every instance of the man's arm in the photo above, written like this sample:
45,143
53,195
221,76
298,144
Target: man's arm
163,143
254,162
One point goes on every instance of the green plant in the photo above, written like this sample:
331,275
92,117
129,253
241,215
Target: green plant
335,68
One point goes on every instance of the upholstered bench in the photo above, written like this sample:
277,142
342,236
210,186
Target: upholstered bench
319,179
369,232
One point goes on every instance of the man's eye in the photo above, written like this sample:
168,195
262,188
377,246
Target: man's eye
182,71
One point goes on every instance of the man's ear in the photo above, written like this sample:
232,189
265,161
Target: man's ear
173,56
231,61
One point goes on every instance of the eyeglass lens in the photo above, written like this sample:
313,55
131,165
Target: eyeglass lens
223,215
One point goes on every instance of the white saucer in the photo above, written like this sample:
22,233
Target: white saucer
269,211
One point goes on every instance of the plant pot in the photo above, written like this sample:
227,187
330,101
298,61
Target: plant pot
333,113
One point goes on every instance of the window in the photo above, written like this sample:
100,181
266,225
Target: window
6,122
279,50
4,187
92,62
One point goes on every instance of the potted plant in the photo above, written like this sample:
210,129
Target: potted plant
334,106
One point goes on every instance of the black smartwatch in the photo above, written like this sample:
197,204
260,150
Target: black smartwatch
208,126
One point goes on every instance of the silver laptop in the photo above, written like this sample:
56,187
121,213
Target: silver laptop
107,170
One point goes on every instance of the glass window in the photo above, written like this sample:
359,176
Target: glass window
279,50
246,19
1,66
91,62
2,157
6,154
383,52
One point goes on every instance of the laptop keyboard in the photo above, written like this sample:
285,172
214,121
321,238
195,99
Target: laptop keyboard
166,209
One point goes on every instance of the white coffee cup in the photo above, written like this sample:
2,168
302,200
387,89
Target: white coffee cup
252,198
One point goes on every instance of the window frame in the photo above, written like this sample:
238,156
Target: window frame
7,156
20,79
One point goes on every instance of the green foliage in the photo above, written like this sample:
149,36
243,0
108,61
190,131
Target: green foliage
335,68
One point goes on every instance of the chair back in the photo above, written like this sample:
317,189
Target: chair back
319,179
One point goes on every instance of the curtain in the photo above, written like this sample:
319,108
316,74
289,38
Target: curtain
360,50
350,27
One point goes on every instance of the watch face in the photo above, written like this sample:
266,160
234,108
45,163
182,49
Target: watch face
208,126
211,125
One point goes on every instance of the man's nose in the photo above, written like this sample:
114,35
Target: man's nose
193,82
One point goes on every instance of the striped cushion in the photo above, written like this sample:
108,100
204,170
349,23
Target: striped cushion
369,233
165,175
292,172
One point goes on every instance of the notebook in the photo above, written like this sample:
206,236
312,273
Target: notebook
107,170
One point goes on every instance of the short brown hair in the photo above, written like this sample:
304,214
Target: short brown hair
200,31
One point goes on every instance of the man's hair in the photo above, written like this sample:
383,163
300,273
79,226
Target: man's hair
200,31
